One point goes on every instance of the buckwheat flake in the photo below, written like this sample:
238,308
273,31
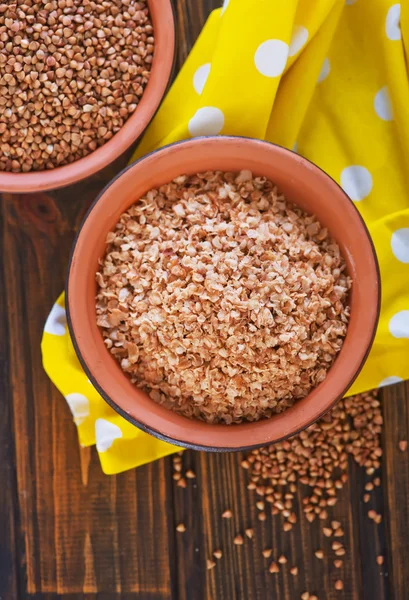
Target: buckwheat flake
221,299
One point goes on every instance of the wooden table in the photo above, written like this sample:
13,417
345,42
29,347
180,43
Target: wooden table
67,531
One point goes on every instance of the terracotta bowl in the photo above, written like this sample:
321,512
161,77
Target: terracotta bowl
164,28
304,184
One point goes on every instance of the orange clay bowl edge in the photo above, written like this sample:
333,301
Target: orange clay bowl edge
302,183
164,31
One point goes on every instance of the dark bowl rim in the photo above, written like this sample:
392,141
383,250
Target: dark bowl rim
152,431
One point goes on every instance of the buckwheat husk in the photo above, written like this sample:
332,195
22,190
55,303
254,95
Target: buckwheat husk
71,73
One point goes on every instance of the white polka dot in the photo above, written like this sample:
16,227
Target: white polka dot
350,2
399,324
79,406
356,182
392,25
400,244
325,70
200,77
298,39
207,121
105,434
271,57
390,380
57,321
225,5
383,105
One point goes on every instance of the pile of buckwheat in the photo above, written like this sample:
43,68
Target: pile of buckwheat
318,458
302,478
71,73
221,299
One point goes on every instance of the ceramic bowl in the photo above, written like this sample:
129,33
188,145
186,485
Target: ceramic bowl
164,30
302,183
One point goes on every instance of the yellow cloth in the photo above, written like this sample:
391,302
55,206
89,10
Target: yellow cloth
327,78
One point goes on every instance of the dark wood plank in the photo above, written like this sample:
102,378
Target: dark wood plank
8,488
396,488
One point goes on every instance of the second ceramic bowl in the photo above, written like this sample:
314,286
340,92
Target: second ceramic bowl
164,30
302,183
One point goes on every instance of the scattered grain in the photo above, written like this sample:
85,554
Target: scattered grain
336,545
210,564
380,560
319,554
403,444
349,429
181,528
227,514
249,533
339,585
282,559
238,540
267,552
274,568
218,554
294,571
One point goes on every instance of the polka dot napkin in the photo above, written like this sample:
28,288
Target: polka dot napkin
326,78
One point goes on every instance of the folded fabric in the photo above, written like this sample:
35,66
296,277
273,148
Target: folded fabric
326,78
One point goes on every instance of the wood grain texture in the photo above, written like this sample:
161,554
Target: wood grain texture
69,532
396,488
8,484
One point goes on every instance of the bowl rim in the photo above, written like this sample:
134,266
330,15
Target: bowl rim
132,129
148,428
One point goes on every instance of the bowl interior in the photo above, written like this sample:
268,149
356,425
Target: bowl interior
164,30
302,183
